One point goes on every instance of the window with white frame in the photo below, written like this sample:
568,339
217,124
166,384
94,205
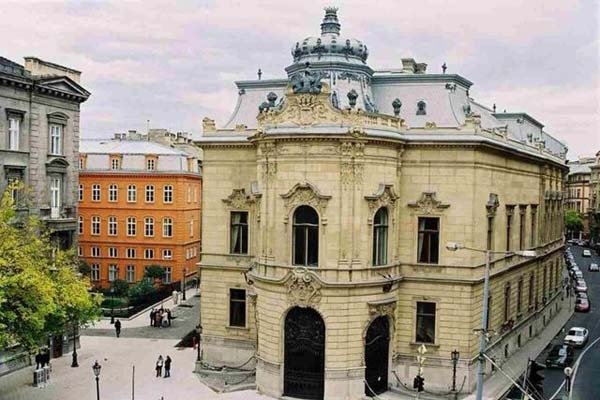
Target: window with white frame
56,133
130,270
115,163
112,226
167,254
150,164
79,251
81,162
131,226
131,193
168,275
191,228
80,193
80,223
425,324
305,237
113,272
149,254
95,251
113,252
237,307
95,272
167,227
380,236
149,193
112,193
95,192
131,252
189,194
14,133
168,194
55,193
148,226
238,231
95,225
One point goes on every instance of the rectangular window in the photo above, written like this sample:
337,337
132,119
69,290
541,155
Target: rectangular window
81,163
95,192
95,251
168,275
239,232
530,298
167,254
533,225
112,193
130,270
131,194
522,211
168,194
55,195
80,193
115,163
429,237
112,226
148,226
113,273
509,216
149,194
544,294
150,164
507,302
56,139
80,230
490,233
79,251
95,225
149,254
237,307
14,133
112,252
167,227
131,226
130,252
95,272
425,328
191,228
519,296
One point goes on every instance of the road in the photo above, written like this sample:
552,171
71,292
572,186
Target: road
587,386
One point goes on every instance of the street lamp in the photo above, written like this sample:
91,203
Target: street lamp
96,368
454,246
455,355
74,362
183,282
112,304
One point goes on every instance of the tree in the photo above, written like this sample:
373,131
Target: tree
154,272
41,291
573,221
84,268
120,287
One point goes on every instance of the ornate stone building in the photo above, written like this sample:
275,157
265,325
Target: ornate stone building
326,215
579,193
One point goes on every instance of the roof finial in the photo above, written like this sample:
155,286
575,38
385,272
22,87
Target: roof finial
494,107
444,67
330,23
259,73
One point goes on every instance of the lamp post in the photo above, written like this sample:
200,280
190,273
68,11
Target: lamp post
96,368
453,246
199,331
183,282
455,355
74,361
112,305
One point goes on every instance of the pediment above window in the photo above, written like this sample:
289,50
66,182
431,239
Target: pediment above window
62,86
58,118
239,200
305,194
57,165
385,196
428,204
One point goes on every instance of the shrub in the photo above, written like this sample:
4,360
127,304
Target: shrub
143,289
154,272
120,286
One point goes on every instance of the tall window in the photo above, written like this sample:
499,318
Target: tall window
112,193
113,252
130,273
95,272
167,226
131,226
167,254
509,217
149,254
56,132
522,211
55,200
425,328
79,251
305,237
239,232
95,251
115,163
150,164
519,295
550,279
533,225
490,233
95,192
148,226
544,294
380,236
192,227
131,252
112,226
530,298
113,272
131,194
168,194
80,193
95,225
237,307
429,240
507,302
14,133
80,224
149,193
168,278
488,318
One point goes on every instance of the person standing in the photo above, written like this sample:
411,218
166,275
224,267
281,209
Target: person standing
118,327
152,314
159,365
167,367
169,316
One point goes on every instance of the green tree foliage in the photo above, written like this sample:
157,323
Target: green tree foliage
84,268
120,287
573,221
154,272
41,291
143,289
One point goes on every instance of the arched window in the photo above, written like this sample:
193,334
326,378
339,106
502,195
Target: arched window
421,108
305,237
380,237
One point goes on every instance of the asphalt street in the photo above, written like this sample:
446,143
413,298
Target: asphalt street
587,382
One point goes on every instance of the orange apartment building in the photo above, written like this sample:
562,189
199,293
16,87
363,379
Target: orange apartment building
139,205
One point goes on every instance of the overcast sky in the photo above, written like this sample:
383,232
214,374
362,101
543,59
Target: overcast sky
175,64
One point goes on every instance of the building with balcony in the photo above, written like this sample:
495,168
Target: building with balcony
39,141
578,190
329,196
139,205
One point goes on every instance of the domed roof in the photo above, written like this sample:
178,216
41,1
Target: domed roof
330,45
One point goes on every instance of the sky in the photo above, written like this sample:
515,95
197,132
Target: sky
173,63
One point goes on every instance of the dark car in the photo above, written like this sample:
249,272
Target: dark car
560,356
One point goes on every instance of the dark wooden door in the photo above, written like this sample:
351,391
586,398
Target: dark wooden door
377,347
304,354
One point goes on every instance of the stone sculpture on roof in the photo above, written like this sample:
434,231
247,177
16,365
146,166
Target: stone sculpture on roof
306,81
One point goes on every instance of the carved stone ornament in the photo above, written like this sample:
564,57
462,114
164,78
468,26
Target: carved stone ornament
306,81
428,204
385,196
208,125
382,308
305,194
492,205
239,200
303,288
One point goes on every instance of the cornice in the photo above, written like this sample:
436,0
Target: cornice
403,78
144,174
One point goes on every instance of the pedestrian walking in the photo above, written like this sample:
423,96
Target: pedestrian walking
167,367
159,365
158,320
118,327
169,316
152,316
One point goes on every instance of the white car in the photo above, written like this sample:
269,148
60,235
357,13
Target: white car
587,253
577,337
580,286
594,267
578,274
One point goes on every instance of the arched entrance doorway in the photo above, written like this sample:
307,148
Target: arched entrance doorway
377,345
304,354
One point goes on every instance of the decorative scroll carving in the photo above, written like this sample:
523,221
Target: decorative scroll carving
238,199
385,196
208,125
430,125
303,289
305,194
428,204
492,205
383,308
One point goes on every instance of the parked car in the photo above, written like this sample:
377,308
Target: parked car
578,274
581,286
560,356
582,305
587,253
577,337
594,267
571,241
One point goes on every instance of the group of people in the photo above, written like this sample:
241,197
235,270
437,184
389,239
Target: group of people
159,366
42,358
160,318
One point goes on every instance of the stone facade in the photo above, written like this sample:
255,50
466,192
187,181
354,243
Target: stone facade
346,164
579,192
594,210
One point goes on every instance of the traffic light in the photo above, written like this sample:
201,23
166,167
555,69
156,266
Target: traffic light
418,383
536,380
